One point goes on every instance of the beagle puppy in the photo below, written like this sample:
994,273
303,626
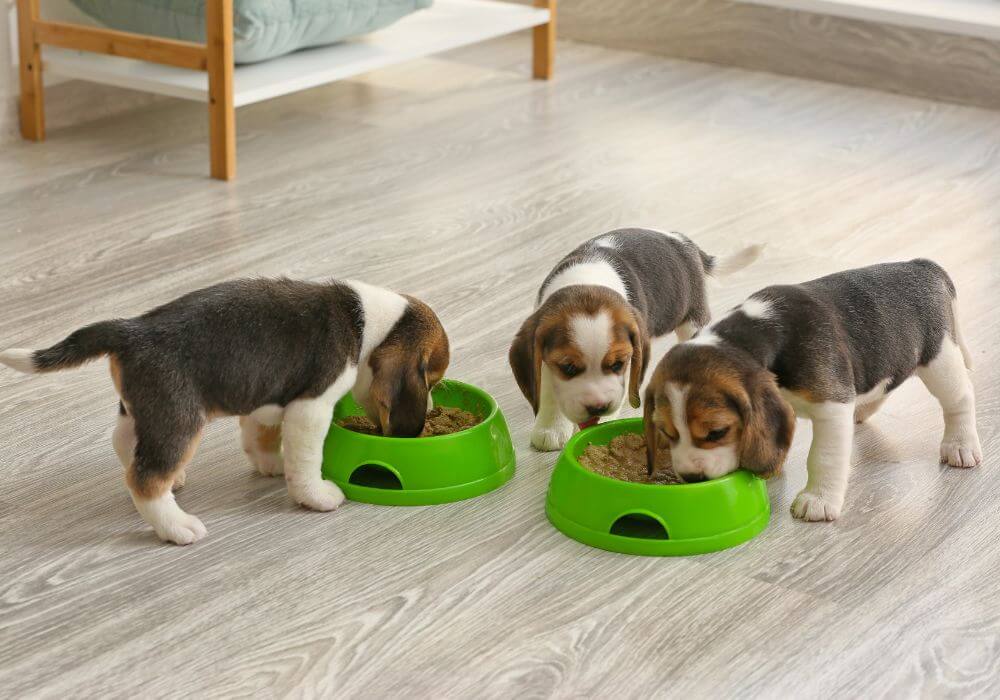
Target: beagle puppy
829,350
594,317
278,353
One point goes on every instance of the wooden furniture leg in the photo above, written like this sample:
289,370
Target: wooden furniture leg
221,111
30,59
544,43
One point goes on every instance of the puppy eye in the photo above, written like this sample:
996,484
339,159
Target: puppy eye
569,369
716,435
617,367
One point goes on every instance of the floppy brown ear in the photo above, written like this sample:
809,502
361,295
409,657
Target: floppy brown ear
768,427
525,358
649,427
399,391
639,338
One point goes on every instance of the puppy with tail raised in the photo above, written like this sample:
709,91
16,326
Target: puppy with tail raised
279,354
595,315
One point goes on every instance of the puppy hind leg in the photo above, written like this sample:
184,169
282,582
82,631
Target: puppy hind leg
947,378
123,438
124,441
552,429
828,464
159,461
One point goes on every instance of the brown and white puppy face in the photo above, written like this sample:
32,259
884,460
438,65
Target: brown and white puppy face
405,367
718,412
594,346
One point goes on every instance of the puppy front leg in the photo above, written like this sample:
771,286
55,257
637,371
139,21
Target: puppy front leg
304,428
829,462
552,429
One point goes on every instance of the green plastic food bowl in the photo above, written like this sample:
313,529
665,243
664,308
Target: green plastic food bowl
651,519
422,471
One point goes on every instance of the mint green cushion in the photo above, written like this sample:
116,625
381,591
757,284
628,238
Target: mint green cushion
262,29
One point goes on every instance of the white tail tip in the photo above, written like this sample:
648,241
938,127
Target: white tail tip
19,359
737,261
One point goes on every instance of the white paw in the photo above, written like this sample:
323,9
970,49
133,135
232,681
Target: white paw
184,529
318,495
815,507
961,451
551,439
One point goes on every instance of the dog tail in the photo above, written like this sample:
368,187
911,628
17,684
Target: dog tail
721,266
83,345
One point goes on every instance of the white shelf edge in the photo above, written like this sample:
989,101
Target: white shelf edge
975,18
447,25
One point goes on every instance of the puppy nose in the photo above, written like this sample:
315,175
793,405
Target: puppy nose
598,410
692,478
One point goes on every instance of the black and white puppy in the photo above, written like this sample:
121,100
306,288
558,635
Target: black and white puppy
279,353
829,350
594,317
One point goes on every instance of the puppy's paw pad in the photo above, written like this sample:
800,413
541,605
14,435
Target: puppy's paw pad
550,439
962,452
185,530
815,507
321,495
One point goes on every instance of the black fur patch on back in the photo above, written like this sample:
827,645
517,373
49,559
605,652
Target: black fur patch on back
236,346
840,335
663,274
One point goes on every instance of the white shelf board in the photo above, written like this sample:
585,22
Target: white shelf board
978,18
446,25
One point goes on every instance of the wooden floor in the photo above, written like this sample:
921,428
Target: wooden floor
461,180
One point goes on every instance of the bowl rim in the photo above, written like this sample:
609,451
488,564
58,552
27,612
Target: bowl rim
567,452
494,409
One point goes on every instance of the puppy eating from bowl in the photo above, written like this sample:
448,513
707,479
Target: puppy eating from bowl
829,350
278,353
595,314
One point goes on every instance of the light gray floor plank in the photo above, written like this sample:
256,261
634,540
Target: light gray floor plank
461,181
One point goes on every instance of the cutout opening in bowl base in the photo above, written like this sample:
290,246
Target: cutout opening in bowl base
375,476
641,526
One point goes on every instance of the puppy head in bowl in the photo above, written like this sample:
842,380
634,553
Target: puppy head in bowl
717,410
404,369
585,346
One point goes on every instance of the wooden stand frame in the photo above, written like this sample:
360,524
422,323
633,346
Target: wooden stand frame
214,57
544,43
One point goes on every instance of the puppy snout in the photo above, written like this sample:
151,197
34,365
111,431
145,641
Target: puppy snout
598,409
692,478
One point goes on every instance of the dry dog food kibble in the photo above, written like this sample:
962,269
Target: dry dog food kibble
441,420
624,458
